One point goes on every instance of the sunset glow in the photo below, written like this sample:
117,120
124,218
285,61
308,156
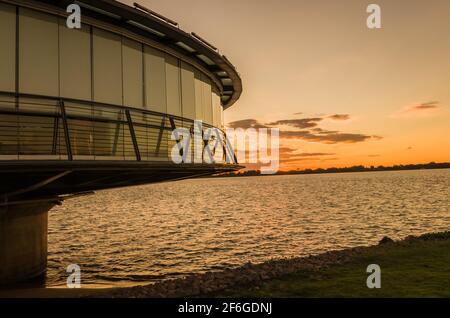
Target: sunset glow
342,94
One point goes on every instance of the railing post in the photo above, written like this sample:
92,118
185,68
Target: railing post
230,149
55,135
173,126
160,136
133,135
66,130
224,146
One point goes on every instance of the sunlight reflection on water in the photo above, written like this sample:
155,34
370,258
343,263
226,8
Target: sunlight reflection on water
160,231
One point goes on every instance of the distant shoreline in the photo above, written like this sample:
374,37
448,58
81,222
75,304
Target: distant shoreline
409,167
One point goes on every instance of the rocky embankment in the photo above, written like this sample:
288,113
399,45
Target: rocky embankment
252,274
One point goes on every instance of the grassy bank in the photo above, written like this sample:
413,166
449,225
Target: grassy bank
416,267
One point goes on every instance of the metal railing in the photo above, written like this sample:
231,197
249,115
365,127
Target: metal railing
36,127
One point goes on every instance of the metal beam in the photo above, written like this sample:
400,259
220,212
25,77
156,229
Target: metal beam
66,130
36,186
160,136
133,135
55,135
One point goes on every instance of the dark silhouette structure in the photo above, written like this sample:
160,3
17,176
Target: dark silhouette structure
94,108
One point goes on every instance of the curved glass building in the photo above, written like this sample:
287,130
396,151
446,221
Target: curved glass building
94,107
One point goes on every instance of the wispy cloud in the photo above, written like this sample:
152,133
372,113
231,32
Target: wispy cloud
307,129
428,105
245,124
340,117
327,138
301,123
422,109
305,155
314,154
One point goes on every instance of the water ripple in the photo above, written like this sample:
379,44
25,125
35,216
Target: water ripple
161,231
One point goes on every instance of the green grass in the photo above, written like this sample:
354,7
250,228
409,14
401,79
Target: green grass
417,269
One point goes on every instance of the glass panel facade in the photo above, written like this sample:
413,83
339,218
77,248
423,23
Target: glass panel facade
40,133
132,73
198,86
75,62
38,53
7,48
155,80
217,109
107,60
81,130
8,119
173,86
8,128
150,134
94,67
188,91
207,100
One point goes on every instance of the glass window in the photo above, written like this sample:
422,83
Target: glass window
198,95
38,53
75,61
155,80
216,110
188,90
207,100
173,85
8,48
107,60
132,73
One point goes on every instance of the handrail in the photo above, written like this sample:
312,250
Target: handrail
37,125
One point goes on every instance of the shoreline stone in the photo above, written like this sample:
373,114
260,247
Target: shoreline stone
250,274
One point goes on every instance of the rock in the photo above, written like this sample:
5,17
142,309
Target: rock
386,240
410,238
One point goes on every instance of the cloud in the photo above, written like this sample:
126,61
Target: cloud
305,156
332,138
329,159
308,130
428,105
293,160
297,160
245,124
417,110
313,154
298,123
340,117
286,150
323,131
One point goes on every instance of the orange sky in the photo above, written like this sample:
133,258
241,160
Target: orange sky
304,61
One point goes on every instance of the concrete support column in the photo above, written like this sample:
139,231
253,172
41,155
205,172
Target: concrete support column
23,241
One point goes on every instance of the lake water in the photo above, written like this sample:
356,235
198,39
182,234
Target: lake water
160,231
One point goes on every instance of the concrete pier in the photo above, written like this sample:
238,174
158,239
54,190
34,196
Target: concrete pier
23,241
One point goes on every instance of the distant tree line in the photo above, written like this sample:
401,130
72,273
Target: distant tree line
431,165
